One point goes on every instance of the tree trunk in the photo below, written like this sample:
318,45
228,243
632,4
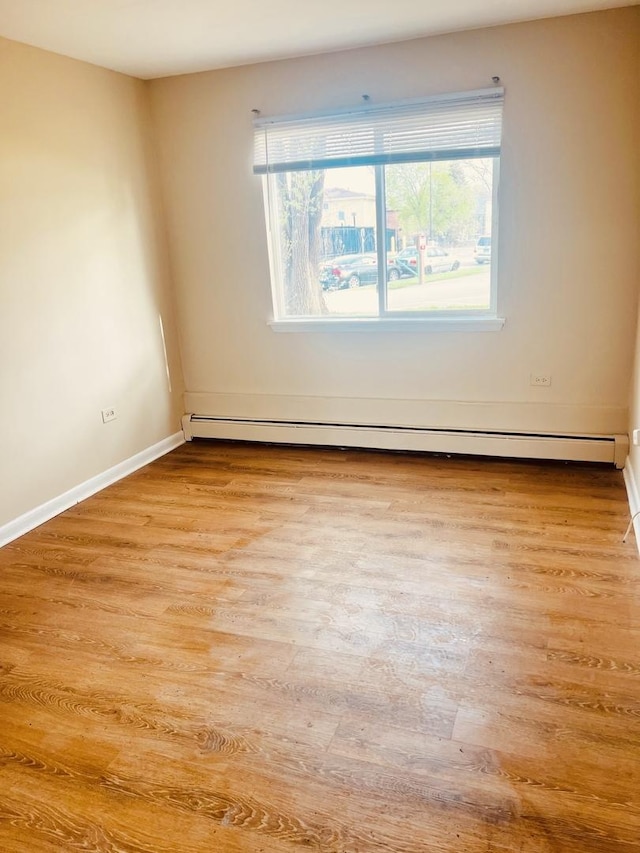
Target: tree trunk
301,195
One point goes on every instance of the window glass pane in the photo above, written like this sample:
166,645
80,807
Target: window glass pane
324,242
439,215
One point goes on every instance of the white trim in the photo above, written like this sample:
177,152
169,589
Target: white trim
387,324
35,517
495,234
633,495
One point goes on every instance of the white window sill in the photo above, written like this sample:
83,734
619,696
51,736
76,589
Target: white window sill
390,324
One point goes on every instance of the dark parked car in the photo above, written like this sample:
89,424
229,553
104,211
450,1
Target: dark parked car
354,270
435,260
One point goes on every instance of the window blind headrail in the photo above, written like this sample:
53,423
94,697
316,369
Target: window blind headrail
445,128
379,160
495,93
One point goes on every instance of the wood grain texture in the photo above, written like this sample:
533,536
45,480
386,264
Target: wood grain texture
254,649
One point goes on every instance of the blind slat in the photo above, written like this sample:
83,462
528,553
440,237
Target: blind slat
463,126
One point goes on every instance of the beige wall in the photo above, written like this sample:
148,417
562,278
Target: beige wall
632,472
84,275
568,254
83,278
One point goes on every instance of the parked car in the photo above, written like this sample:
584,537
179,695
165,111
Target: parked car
354,270
482,250
436,259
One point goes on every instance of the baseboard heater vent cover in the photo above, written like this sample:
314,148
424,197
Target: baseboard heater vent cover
575,448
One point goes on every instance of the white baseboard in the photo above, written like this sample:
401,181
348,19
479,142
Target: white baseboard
633,496
35,517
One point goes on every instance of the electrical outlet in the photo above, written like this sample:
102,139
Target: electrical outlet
108,415
540,380
636,437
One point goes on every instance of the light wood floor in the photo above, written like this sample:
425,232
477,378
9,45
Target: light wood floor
269,649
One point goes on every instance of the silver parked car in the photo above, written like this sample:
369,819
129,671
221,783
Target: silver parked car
435,259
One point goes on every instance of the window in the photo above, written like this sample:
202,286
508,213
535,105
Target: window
419,182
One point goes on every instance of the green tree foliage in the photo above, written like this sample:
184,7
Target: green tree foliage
436,199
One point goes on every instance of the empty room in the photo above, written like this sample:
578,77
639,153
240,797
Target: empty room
320,435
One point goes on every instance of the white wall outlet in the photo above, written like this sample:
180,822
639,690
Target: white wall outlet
636,437
540,380
108,415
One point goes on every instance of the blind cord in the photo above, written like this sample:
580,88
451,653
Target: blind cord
633,518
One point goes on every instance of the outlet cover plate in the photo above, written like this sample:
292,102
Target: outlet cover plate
540,380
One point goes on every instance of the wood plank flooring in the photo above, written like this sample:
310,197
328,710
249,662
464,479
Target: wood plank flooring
255,649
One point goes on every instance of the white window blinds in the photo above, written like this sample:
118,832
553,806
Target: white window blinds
460,126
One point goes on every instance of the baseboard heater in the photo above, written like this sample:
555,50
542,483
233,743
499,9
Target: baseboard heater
575,448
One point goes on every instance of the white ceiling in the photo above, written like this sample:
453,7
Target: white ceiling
158,38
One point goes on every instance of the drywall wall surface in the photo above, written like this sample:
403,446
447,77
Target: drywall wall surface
633,462
568,248
84,281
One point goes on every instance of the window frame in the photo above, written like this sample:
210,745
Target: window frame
385,320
